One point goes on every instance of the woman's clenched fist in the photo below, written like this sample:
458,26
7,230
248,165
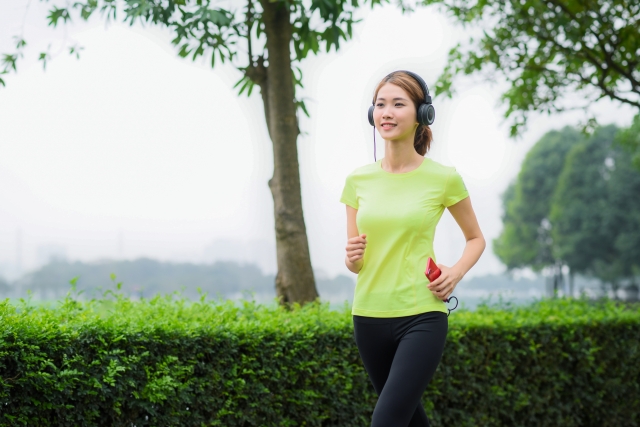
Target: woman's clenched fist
355,248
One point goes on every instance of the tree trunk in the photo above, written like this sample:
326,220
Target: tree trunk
571,291
557,279
295,281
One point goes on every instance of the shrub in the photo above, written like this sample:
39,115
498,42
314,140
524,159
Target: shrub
167,361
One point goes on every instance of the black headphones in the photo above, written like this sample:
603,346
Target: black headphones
426,114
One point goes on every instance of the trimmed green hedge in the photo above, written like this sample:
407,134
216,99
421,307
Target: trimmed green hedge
168,362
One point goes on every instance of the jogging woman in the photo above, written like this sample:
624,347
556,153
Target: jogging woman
393,206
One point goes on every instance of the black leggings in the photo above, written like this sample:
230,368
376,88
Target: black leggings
401,355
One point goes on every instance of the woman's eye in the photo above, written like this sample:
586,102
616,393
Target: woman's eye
399,104
379,104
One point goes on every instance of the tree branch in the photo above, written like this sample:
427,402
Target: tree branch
602,86
249,22
608,55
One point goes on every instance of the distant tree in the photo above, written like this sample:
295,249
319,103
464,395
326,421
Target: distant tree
277,35
575,203
595,211
548,50
144,277
4,287
579,206
526,240
630,139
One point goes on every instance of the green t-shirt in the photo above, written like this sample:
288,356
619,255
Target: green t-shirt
399,213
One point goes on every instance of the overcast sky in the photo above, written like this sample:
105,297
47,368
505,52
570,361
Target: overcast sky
132,151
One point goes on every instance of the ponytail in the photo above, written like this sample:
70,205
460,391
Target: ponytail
422,139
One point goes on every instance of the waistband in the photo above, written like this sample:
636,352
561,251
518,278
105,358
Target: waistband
429,315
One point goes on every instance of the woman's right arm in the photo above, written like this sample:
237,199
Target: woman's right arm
356,243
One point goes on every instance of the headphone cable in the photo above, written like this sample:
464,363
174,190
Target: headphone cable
374,144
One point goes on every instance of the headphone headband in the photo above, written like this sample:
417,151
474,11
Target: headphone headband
425,89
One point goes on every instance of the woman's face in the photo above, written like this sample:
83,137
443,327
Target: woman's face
394,114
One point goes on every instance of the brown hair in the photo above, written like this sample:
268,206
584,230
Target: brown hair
423,137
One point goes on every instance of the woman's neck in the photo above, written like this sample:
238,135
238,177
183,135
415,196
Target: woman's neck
400,157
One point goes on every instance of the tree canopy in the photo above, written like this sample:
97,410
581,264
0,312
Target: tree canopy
630,139
595,211
525,240
548,51
574,204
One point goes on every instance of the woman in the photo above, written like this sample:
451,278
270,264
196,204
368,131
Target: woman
393,206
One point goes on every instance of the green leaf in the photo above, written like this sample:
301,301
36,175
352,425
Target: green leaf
302,105
184,50
56,14
44,56
9,61
75,49
20,43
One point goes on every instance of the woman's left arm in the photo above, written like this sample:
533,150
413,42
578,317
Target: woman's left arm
463,213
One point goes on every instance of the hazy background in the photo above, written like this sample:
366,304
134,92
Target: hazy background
133,152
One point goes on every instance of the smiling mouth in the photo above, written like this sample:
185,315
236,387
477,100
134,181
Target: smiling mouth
387,126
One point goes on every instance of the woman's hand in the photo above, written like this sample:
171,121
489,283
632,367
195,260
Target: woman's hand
444,285
355,253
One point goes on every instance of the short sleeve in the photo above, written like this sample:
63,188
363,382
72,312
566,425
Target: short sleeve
454,190
349,193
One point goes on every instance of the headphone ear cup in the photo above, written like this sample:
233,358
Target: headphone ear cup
431,114
426,114
370,115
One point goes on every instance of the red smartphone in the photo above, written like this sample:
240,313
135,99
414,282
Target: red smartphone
432,272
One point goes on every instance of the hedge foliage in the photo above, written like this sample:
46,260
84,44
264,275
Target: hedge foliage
171,362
